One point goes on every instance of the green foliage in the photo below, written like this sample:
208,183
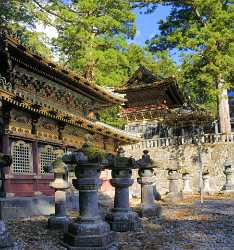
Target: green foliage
204,31
111,117
93,153
21,17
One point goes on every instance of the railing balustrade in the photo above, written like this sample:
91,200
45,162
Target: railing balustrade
181,140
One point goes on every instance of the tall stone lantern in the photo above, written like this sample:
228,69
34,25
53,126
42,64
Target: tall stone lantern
122,218
60,184
146,180
89,231
5,239
229,172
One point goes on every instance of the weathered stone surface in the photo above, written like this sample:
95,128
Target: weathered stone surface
122,218
60,184
146,180
212,159
229,172
88,231
206,184
186,185
5,238
174,193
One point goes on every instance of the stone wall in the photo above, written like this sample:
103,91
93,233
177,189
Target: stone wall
213,160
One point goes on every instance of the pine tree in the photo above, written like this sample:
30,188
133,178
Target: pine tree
204,31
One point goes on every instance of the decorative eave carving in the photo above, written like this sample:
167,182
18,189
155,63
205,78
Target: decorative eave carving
95,127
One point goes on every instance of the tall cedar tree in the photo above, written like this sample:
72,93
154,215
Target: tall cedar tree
204,30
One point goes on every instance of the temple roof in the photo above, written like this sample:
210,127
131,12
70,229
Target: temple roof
144,89
30,57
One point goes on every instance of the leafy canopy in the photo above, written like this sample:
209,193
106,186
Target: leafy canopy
203,30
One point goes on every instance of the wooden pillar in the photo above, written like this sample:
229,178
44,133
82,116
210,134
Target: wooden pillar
6,108
35,152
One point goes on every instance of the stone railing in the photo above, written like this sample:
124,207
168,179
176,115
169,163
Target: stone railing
181,140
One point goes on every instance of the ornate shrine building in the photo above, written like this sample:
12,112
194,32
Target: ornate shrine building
44,110
156,107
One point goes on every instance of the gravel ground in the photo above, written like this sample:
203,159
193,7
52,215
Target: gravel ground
184,225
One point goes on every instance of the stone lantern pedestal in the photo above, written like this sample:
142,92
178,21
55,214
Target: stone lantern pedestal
5,238
186,185
147,179
206,184
59,219
229,172
174,192
89,231
122,218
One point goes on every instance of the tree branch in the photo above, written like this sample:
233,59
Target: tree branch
51,12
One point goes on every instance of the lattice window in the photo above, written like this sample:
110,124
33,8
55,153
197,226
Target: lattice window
47,155
21,157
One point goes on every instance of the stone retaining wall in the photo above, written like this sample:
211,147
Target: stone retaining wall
213,160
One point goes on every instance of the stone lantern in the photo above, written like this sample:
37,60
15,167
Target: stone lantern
229,172
206,183
174,192
122,218
89,231
146,180
186,184
5,239
60,184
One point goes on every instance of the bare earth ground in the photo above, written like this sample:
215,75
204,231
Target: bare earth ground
184,225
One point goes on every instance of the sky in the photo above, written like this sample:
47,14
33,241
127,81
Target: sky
147,24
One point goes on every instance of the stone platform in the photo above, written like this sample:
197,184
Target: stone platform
17,207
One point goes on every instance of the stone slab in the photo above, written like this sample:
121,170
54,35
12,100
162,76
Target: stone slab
17,207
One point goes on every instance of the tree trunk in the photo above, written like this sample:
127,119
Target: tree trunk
224,112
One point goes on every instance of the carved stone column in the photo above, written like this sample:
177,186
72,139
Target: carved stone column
174,192
89,231
147,180
186,184
229,172
122,218
5,239
59,219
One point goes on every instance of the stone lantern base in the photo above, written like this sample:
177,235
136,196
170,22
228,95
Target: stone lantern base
173,197
56,222
124,220
152,211
5,239
90,235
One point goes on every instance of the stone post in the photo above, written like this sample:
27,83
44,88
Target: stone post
229,172
146,180
206,183
186,184
5,239
59,219
89,231
174,192
122,218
